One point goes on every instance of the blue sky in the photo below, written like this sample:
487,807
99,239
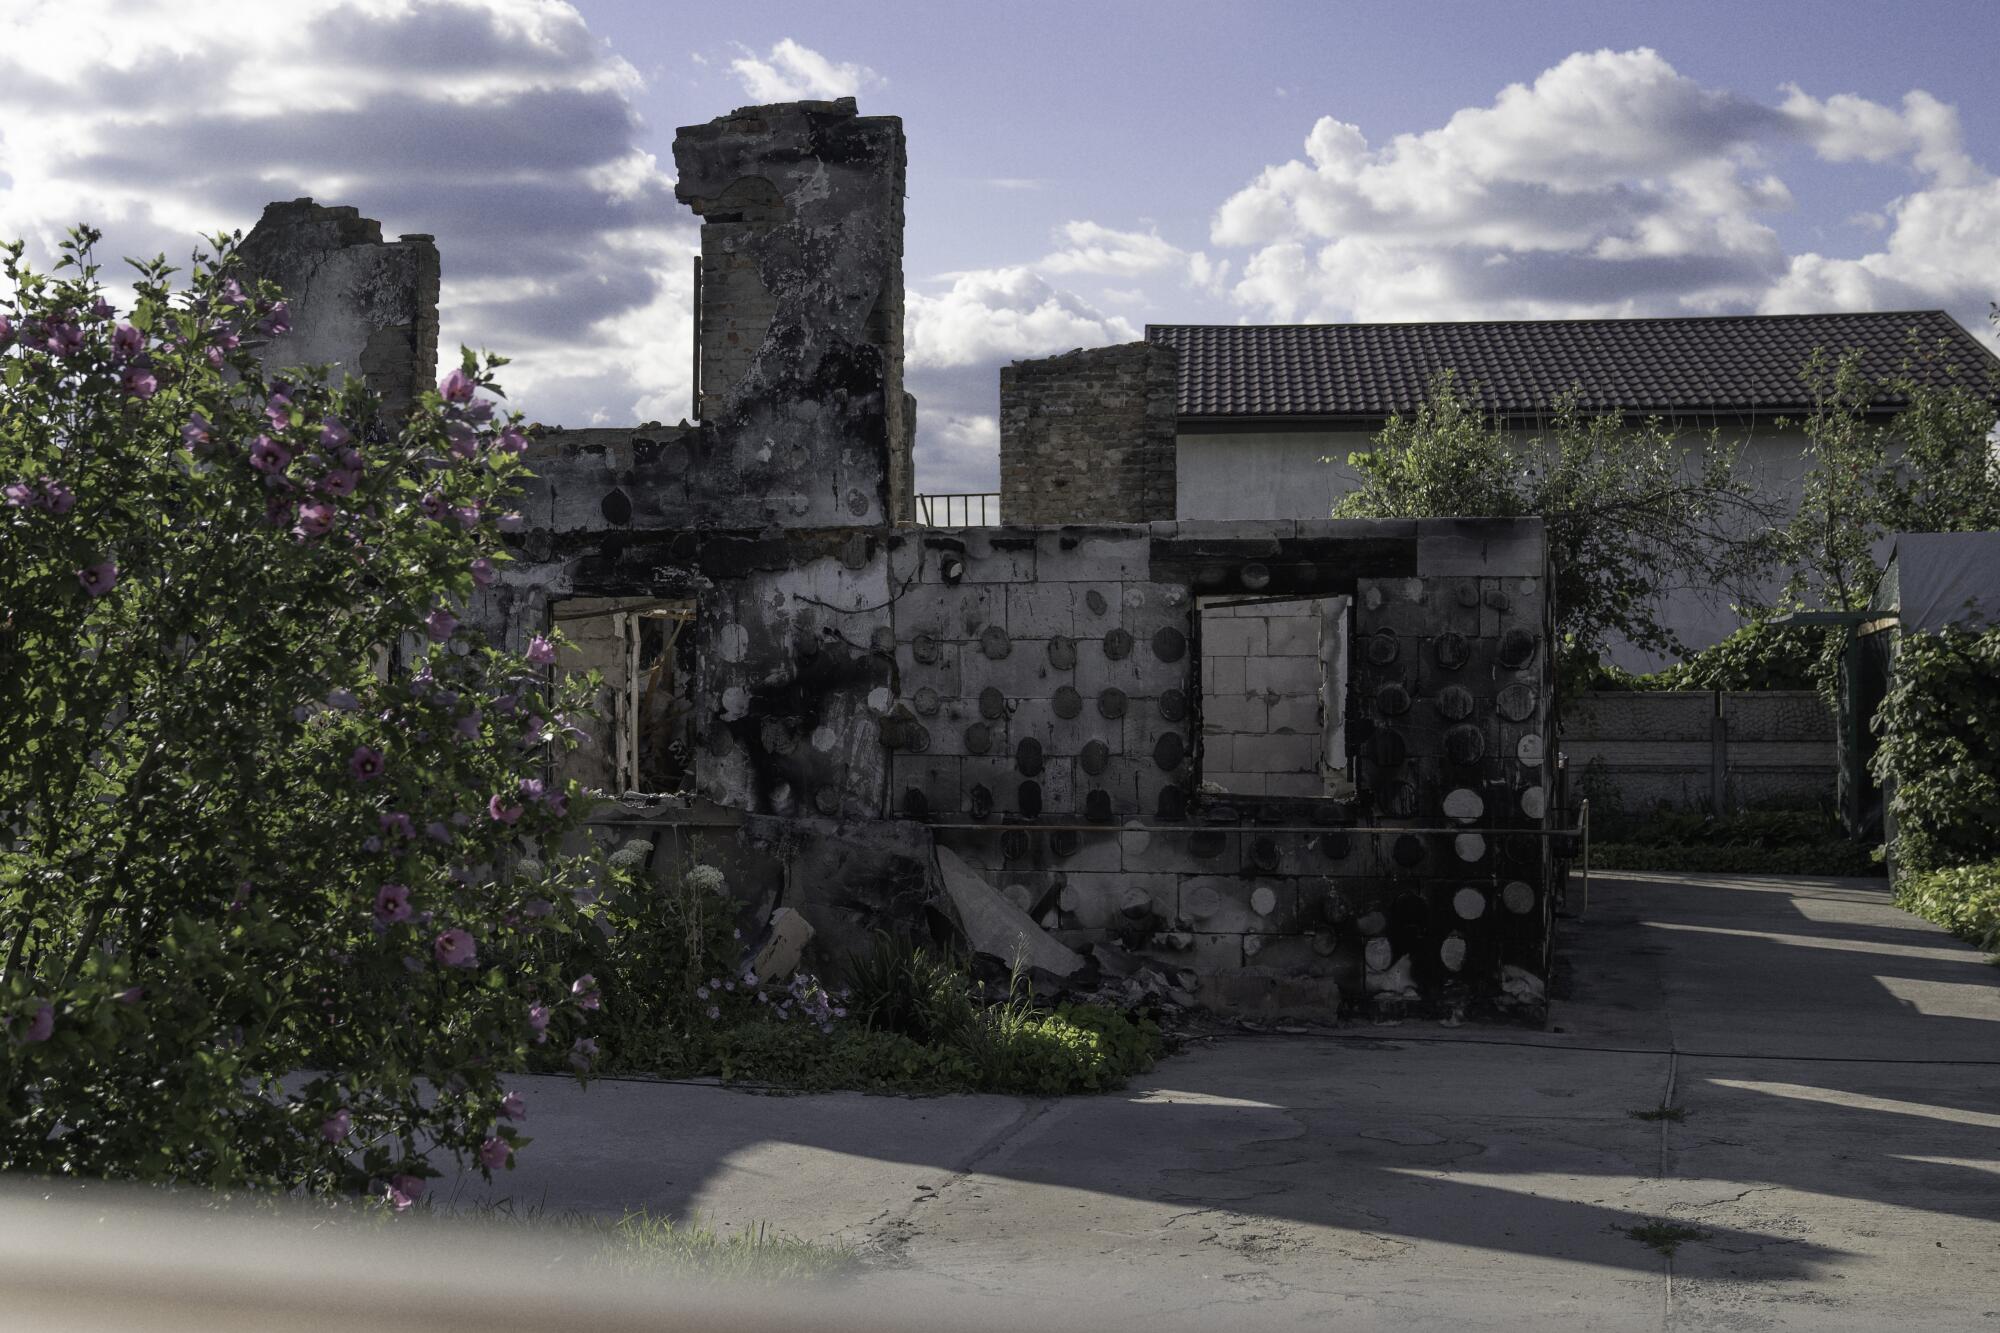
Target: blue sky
1075,170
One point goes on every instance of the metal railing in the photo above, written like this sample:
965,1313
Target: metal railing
955,509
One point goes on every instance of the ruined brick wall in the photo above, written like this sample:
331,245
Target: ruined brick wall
1088,437
801,392
363,305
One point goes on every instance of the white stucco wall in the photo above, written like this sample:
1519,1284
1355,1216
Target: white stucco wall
1279,474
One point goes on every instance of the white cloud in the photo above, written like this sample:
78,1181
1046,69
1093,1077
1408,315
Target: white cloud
992,315
790,72
503,127
1610,185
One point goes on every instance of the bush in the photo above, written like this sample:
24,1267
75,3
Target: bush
1754,842
270,808
1963,899
1940,748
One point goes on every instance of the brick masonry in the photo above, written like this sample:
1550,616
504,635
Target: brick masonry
1088,437
1644,750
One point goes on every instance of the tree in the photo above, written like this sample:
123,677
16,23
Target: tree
268,806
1634,512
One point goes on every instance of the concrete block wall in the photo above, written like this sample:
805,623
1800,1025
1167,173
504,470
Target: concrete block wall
1263,698
1642,750
1088,437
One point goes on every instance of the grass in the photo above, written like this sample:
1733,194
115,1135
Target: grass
1664,1236
1674,1114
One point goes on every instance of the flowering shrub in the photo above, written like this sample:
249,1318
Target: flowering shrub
266,806
1939,757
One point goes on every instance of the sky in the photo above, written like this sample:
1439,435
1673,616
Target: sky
1077,170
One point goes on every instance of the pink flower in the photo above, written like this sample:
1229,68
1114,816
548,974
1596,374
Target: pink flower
392,904
467,516
500,810
98,579
278,410
541,652
340,482
268,456
537,908
581,1052
557,802
512,441
396,822
279,321
232,294
454,948
538,1022
467,727
130,995
512,1107
315,519
435,506
437,832
139,382
404,1191
584,989
482,572
337,1126
41,1027
6,331
365,764
19,494
214,357
457,387
127,340
64,338
56,497
512,521
494,1153
332,433
714,1012
440,625
464,442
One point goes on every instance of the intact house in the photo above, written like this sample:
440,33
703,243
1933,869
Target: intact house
1252,422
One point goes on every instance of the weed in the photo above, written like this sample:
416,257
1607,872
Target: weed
1664,1236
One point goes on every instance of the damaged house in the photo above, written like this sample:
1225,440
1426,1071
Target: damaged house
876,724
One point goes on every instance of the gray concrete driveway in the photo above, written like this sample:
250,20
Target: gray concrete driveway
1835,1065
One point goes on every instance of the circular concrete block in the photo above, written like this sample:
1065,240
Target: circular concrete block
1263,900
1264,855
732,642
1111,703
1383,646
826,800
1028,757
925,701
1169,750
880,699
1207,844
1387,748
1454,703
1062,652
1118,644
1255,576
992,704
979,801
1534,804
1371,923
1469,846
1063,843
1469,903
1529,751
882,639
1094,757
1334,847
1252,946
978,738
1067,703
1022,896
1464,744
1028,799
1518,897
1408,851
735,702
1392,700
1464,803
1096,602
1201,903
1452,953
925,648
915,804
1378,953
1325,942
824,739
993,641
1097,805
1516,703
1467,592
1173,706
1169,644
1134,840
1517,648
1451,650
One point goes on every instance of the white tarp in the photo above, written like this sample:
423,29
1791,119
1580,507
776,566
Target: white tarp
1947,578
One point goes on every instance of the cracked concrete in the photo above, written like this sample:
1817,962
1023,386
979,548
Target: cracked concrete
1842,1169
